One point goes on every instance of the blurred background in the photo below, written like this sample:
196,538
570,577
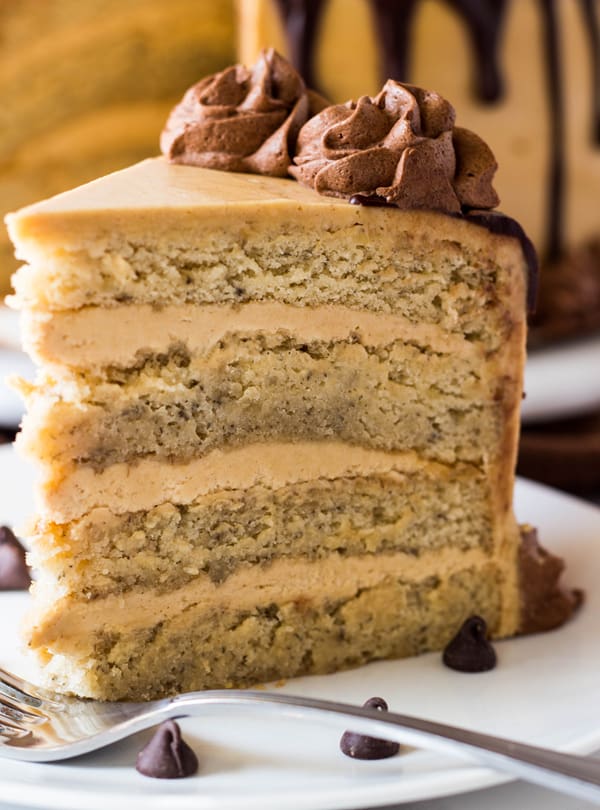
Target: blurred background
87,86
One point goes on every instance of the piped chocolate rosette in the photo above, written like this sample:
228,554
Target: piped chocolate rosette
401,147
242,119
398,148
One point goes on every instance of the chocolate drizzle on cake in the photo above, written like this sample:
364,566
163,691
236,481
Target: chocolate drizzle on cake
393,22
556,167
484,20
592,28
301,19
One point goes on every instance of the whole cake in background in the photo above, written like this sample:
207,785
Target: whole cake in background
86,87
524,74
276,421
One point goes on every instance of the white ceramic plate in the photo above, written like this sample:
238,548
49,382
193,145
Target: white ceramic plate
545,691
11,404
562,381
10,337
12,361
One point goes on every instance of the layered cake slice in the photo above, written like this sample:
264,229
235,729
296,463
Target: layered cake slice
276,430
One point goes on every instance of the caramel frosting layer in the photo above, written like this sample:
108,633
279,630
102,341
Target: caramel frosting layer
98,336
242,120
69,494
400,146
69,623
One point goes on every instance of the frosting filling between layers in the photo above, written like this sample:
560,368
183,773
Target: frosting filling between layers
101,336
165,547
126,488
186,652
66,623
176,406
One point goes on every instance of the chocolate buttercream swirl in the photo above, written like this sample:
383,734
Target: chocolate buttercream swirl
545,602
242,119
400,146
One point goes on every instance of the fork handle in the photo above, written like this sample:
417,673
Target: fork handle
567,773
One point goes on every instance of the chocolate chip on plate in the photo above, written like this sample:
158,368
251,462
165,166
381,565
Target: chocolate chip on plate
360,746
167,755
14,571
469,650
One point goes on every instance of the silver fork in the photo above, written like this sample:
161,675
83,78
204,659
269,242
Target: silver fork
41,726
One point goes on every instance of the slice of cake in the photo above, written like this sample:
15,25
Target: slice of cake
276,431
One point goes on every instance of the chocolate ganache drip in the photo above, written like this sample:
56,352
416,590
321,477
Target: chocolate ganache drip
484,20
592,27
556,169
301,20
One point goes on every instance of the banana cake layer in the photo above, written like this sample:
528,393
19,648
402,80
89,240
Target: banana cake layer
176,405
207,236
293,617
277,432
171,544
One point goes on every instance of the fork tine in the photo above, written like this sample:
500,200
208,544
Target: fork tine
16,714
13,732
22,693
19,683
19,698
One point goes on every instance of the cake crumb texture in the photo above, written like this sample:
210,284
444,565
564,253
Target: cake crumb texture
172,545
229,648
176,406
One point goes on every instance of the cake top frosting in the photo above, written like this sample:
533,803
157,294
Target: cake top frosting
400,147
242,119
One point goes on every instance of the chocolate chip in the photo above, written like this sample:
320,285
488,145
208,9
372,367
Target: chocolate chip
359,746
167,756
14,571
469,650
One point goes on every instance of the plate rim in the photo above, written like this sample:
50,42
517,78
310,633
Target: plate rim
24,792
